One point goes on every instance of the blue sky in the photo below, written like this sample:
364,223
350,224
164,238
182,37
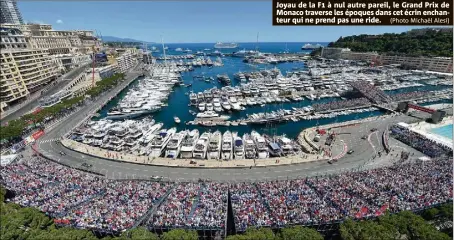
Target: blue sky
184,22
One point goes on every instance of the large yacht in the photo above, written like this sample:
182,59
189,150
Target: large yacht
249,147
227,140
200,149
221,45
187,147
214,146
174,145
217,105
262,148
238,147
160,141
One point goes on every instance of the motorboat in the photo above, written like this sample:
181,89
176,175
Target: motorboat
249,147
214,146
202,106
217,105
238,147
174,145
160,141
235,105
207,114
188,144
286,145
227,141
209,107
262,149
200,149
193,98
226,105
176,119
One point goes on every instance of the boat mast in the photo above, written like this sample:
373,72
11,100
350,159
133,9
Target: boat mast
164,51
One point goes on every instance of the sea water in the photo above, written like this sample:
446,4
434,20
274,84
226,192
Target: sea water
445,131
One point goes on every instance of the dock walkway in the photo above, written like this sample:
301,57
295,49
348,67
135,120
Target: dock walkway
160,161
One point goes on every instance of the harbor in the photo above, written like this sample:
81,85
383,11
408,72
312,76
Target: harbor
186,109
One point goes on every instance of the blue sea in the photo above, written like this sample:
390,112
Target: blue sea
178,101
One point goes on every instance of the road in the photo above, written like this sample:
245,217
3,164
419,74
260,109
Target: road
61,82
49,146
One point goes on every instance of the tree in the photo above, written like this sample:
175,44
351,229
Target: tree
254,233
365,230
300,233
138,233
180,234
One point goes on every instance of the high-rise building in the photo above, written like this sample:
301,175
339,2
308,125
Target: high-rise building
10,12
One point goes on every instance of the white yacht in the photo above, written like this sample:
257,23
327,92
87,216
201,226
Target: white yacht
227,141
214,146
160,141
235,105
286,145
207,114
187,147
193,98
209,107
176,119
217,105
226,105
202,106
238,147
174,145
249,147
262,148
200,149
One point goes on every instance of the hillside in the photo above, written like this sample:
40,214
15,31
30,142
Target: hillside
429,42
117,39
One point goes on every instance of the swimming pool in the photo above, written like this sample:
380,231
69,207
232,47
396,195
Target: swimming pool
445,131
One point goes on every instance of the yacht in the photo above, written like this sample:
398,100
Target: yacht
227,141
217,105
202,106
262,149
178,50
200,149
214,146
286,145
160,141
226,105
209,107
193,98
207,114
176,119
187,147
249,147
235,105
174,145
238,147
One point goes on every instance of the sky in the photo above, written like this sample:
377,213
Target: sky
184,21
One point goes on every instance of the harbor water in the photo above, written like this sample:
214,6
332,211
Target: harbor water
179,100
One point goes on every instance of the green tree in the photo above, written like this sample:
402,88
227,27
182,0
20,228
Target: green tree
180,234
300,233
365,230
138,233
255,234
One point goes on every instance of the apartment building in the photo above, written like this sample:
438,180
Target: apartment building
66,62
9,12
11,38
127,60
24,71
436,64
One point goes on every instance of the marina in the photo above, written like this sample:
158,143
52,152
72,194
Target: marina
243,111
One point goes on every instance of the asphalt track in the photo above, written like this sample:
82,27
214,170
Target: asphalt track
363,156
60,83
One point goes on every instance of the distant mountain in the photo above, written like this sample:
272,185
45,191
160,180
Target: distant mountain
117,39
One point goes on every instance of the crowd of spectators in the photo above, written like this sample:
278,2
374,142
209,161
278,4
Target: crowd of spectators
335,105
398,97
425,145
84,200
371,92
